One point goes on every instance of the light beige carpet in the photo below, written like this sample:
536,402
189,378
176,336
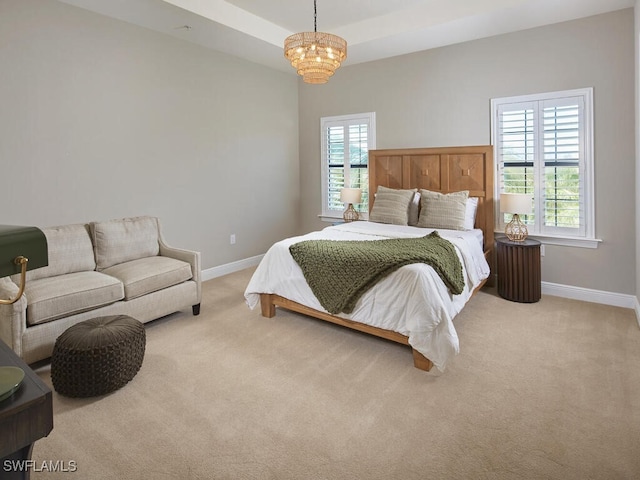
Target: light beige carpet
539,391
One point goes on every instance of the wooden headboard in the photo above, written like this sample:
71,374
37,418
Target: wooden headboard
445,170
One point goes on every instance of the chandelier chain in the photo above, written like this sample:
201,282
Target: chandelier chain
315,17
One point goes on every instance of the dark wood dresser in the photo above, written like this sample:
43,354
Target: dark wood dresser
25,416
519,276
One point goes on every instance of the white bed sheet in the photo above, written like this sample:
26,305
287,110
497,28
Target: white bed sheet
412,301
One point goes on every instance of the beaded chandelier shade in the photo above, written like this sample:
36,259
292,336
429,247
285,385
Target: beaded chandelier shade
315,55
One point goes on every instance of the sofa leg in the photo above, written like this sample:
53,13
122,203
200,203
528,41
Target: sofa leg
196,309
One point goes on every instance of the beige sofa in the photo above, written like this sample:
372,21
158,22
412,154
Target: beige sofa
103,268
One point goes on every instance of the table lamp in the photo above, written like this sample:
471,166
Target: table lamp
516,204
350,196
21,249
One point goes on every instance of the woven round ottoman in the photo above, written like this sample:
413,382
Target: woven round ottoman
97,356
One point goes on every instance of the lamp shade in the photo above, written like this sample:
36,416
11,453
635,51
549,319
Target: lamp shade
519,203
350,195
16,241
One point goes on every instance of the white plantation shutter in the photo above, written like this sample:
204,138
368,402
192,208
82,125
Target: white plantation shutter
346,141
543,147
563,183
335,138
516,151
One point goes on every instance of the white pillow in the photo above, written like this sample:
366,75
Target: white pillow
470,213
414,210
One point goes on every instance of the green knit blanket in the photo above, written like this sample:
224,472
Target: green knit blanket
340,272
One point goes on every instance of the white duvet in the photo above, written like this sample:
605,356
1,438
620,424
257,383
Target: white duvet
412,301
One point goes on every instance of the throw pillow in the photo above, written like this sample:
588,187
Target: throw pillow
443,210
391,206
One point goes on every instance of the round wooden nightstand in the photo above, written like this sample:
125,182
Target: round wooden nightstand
519,277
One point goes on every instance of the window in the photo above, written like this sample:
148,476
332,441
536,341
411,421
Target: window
346,141
543,146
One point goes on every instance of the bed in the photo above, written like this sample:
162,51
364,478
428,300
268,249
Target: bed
412,305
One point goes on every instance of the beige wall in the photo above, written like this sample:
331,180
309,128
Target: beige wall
101,119
441,97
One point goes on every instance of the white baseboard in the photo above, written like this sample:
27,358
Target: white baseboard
548,288
590,295
232,267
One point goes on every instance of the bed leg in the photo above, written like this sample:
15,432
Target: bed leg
421,362
267,306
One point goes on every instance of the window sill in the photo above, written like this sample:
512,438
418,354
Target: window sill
338,218
326,218
563,241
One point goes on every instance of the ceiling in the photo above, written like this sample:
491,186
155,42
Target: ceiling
255,29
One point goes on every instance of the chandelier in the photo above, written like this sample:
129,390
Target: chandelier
315,55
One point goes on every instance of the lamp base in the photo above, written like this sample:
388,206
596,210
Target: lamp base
22,261
350,214
515,230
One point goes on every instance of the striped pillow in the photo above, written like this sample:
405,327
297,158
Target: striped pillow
391,206
441,210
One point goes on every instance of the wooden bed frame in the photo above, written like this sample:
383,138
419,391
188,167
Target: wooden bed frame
445,170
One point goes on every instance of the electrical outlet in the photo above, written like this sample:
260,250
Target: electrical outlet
232,239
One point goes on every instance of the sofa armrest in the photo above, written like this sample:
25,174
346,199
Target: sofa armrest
13,318
189,256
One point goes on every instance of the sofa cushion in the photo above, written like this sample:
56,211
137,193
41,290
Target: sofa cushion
56,297
122,240
70,250
149,274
